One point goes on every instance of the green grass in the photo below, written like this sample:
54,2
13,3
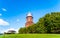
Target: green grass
31,36
1,36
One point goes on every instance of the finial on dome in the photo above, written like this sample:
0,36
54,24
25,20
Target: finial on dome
29,14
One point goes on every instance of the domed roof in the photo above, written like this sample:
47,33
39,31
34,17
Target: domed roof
29,14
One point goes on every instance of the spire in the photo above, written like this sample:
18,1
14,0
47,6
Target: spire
29,14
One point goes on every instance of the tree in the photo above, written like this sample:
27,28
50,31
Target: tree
50,23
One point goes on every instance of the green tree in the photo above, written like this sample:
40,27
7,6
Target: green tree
50,23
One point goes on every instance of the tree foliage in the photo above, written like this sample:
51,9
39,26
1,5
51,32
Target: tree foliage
50,23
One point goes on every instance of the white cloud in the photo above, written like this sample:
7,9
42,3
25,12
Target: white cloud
2,31
16,30
3,22
4,9
11,29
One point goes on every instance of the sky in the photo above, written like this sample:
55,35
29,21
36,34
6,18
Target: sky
13,12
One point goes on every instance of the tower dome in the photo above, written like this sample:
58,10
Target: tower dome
29,20
29,14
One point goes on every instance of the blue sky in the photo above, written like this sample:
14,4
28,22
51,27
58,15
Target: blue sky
13,12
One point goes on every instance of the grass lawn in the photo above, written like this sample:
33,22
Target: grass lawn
1,36
31,36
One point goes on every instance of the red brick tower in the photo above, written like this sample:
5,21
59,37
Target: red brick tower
29,19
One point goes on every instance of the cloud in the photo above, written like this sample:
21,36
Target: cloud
1,31
11,29
3,22
4,9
